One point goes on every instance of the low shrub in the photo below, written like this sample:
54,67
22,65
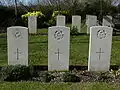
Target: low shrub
71,77
74,30
15,73
24,73
104,77
43,76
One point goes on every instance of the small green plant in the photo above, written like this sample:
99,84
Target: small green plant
104,76
74,30
15,73
45,76
5,72
70,77
115,73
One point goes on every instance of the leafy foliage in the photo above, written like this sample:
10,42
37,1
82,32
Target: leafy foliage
23,73
70,77
45,76
34,13
40,18
15,73
115,73
6,16
54,15
74,30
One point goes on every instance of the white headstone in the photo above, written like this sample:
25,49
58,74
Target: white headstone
17,39
107,21
76,22
100,48
32,24
91,20
61,20
58,48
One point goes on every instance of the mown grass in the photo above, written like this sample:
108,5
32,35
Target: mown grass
58,86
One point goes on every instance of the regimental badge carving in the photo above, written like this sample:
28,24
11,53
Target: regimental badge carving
101,34
58,34
18,34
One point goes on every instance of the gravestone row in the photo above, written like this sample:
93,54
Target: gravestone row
91,20
58,47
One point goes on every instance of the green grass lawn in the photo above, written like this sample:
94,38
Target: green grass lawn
57,86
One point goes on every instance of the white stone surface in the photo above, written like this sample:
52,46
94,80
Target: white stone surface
58,48
107,21
17,39
60,20
32,24
76,22
100,48
91,20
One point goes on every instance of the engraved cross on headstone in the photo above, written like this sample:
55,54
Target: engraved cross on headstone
100,52
58,52
18,53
